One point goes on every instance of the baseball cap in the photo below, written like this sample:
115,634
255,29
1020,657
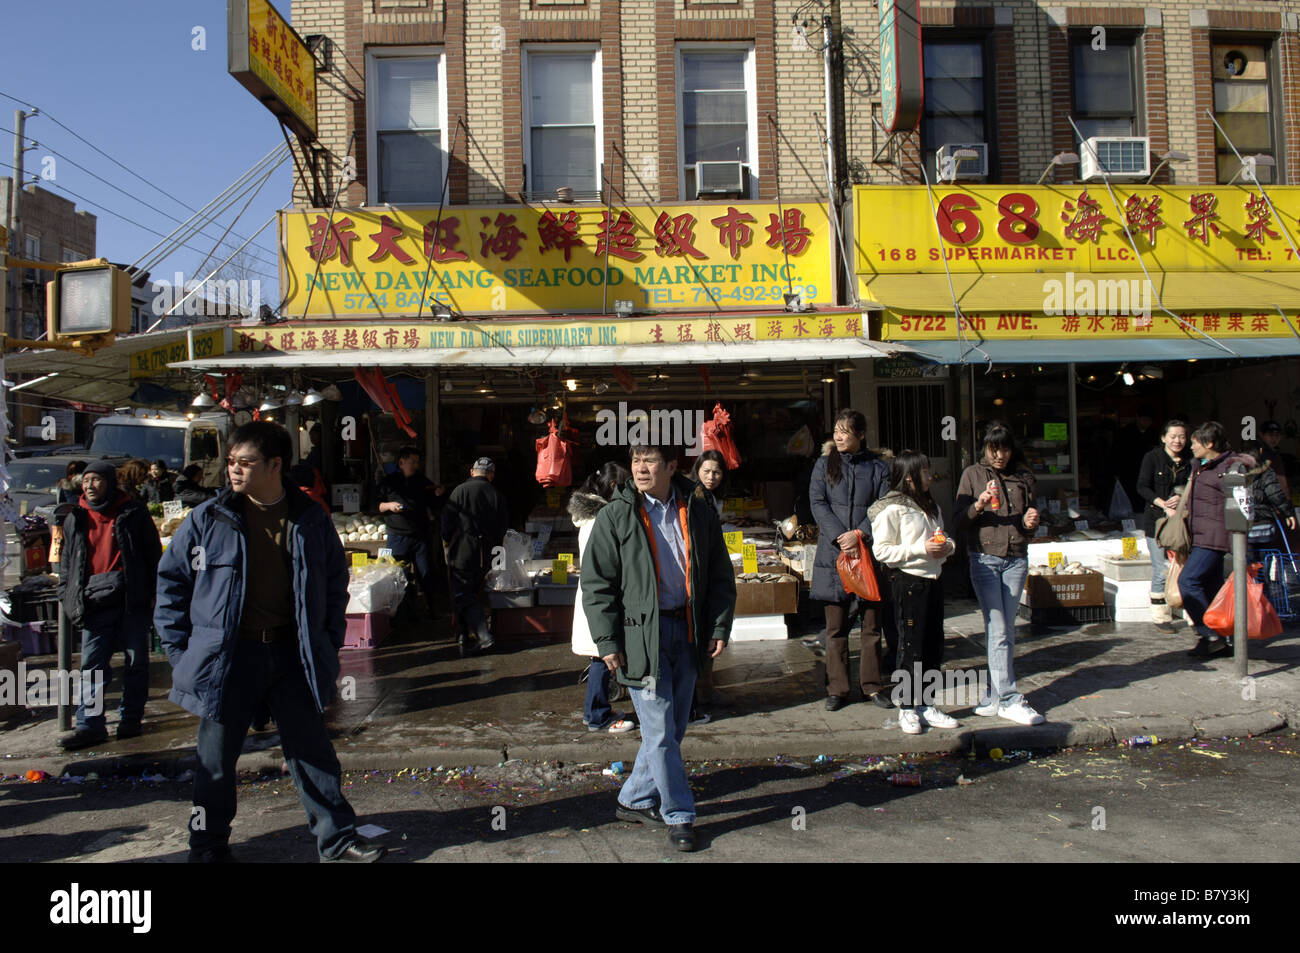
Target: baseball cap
485,464
1271,425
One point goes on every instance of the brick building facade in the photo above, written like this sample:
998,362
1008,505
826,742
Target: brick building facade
49,229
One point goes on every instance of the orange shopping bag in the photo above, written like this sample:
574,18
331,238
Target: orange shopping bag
858,571
1261,618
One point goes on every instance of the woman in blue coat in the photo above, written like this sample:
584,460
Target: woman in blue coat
845,482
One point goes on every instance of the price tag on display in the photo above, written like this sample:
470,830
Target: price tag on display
385,553
360,560
749,557
1055,559
1130,547
1080,524
172,508
1130,526
559,572
734,541
566,558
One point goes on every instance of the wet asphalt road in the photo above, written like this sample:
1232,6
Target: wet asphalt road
1211,801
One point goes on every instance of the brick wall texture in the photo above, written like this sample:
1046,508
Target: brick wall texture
1029,81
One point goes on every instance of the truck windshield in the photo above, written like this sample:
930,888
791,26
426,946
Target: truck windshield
144,443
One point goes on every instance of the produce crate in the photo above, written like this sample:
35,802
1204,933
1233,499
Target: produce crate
34,605
550,594
366,630
1066,590
1065,615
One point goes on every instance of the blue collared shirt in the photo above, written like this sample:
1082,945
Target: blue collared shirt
671,549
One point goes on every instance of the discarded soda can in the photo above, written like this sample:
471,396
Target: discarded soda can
1140,741
905,780
615,770
823,759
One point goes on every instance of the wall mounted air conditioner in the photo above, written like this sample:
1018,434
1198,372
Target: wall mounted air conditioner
945,160
719,178
1122,157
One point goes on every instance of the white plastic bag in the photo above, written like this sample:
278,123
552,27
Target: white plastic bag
1120,505
376,588
514,576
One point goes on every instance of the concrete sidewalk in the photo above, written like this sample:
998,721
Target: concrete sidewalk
417,704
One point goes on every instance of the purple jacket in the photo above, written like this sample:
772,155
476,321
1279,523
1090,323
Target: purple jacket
1205,508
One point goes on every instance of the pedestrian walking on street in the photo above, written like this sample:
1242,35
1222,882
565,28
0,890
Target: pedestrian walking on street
474,523
659,593
909,542
68,490
1274,512
1202,577
157,487
408,499
252,602
995,510
1161,482
585,504
710,477
106,584
846,481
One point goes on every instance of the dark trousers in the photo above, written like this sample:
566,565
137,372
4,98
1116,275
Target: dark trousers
918,612
597,709
467,600
259,674
417,551
103,633
839,621
1199,582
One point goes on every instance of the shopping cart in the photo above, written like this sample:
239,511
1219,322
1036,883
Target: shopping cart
1280,573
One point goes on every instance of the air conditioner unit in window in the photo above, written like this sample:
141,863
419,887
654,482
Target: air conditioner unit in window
1121,157
719,178
953,161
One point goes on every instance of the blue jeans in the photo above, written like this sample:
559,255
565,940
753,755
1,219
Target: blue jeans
998,582
659,775
1199,582
597,709
1159,568
262,673
103,633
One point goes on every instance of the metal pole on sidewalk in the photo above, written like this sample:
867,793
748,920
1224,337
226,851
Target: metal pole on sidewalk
1239,574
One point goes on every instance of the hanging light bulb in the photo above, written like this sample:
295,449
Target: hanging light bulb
268,403
294,399
312,398
203,400
332,393
571,384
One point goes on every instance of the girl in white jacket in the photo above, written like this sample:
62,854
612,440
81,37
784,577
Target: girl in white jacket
907,538
584,503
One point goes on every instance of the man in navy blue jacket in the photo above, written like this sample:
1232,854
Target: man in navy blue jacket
252,596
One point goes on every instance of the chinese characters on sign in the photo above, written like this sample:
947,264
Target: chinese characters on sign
273,63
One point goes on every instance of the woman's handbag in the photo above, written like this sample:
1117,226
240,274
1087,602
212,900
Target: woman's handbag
1171,531
1174,598
858,571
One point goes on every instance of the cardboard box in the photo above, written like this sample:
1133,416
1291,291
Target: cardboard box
767,598
1064,591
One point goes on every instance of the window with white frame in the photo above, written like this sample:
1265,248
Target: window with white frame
407,106
563,109
715,85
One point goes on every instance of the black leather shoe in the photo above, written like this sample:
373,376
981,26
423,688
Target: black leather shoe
1201,649
358,851
1218,648
84,738
682,836
880,700
468,648
835,702
212,855
129,729
639,815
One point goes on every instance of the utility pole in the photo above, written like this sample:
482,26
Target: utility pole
13,217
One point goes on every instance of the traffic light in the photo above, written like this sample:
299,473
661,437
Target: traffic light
88,300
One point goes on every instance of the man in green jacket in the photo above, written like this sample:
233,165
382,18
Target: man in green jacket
660,594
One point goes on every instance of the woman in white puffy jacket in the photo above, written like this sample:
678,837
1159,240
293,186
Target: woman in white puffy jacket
584,503
907,538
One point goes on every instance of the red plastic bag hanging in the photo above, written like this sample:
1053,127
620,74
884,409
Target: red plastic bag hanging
715,434
554,459
1261,618
858,572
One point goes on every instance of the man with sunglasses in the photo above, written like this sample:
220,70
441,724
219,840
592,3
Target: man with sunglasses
252,595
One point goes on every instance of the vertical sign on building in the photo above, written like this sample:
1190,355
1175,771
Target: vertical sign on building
272,62
902,85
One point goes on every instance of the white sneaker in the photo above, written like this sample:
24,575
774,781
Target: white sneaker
938,719
987,708
910,721
1021,714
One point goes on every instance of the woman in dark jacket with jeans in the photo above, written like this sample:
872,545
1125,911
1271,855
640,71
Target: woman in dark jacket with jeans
845,482
1164,475
996,513
1202,577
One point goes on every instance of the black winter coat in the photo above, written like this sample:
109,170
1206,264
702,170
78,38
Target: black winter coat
136,537
474,521
1156,481
864,478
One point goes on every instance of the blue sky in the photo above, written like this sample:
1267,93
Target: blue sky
125,76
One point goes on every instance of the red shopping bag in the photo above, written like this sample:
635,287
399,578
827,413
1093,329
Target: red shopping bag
715,434
858,571
1261,618
554,459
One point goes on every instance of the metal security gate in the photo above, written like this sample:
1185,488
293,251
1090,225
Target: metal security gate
910,417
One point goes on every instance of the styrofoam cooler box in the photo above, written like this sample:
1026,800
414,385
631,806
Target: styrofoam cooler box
1128,588
510,598
366,630
759,628
550,594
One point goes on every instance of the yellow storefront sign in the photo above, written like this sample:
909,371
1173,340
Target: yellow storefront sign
1008,228
267,56
400,263
155,360
465,335
899,325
